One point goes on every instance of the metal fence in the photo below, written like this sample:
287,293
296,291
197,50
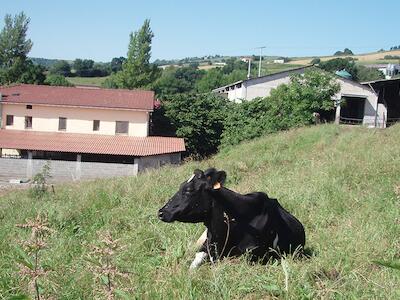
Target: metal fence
380,122
350,121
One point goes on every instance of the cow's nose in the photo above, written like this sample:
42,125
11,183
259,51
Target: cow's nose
160,215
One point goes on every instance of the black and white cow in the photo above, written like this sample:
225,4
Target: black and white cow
235,223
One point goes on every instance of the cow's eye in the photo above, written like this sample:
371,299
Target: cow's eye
188,191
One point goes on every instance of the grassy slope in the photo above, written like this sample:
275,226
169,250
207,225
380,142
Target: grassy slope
343,183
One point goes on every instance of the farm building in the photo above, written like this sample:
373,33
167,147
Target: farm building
86,133
373,104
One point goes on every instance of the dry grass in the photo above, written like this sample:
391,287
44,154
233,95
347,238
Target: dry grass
361,58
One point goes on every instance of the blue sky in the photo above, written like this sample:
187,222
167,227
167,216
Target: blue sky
100,29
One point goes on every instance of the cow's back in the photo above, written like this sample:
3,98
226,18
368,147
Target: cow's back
290,230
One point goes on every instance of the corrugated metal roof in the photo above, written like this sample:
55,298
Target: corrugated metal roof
73,96
273,75
89,143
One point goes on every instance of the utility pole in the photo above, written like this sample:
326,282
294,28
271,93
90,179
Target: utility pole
259,63
248,69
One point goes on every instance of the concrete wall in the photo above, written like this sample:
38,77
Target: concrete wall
20,168
349,89
79,120
157,161
260,87
63,170
263,89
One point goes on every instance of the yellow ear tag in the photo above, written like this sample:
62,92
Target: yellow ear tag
217,186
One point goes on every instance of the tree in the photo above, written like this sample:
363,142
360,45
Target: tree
61,67
83,67
137,71
338,64
346,51
116,64
199,119
57,80
177,80
315,61
211,80
33,74
168,84
14,48
368,74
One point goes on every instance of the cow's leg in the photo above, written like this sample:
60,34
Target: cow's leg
201,255
202,239
198,259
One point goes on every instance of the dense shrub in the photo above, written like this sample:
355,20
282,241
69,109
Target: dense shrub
199,119
57,80
368,74
338,64
289,105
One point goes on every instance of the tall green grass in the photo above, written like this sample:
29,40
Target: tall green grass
343,183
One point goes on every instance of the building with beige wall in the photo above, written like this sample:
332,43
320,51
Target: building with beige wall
373,104
83,125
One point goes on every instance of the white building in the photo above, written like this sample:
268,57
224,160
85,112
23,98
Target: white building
374,104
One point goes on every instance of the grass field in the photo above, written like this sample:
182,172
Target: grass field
271,68
90,81
369,58
343,183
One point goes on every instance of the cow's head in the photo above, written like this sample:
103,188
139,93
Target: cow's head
193,201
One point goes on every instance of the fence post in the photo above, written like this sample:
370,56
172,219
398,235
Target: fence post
29,165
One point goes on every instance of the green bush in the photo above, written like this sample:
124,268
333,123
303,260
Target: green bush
199,119
57,80
40,182
289,105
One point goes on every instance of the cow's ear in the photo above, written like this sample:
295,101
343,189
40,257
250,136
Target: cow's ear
220,180
215,179
198,173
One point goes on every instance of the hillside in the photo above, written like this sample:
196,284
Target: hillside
343,183
367,58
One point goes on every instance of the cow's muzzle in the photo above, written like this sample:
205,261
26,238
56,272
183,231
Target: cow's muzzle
165,216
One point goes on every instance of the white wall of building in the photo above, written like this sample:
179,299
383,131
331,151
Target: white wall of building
355,90
259,87
79,120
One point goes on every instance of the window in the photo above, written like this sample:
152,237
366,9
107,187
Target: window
121,127
29,107
96,125
10,120
62,124
28,122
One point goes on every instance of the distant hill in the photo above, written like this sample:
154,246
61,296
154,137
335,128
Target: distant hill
366,58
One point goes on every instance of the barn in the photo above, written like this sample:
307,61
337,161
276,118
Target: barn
373,104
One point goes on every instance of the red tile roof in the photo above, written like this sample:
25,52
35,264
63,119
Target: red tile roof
89,143
73,96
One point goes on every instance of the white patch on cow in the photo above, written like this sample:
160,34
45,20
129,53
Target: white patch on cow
201,240
191,178
198,260
275,242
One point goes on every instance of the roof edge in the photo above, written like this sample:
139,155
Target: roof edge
265,76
